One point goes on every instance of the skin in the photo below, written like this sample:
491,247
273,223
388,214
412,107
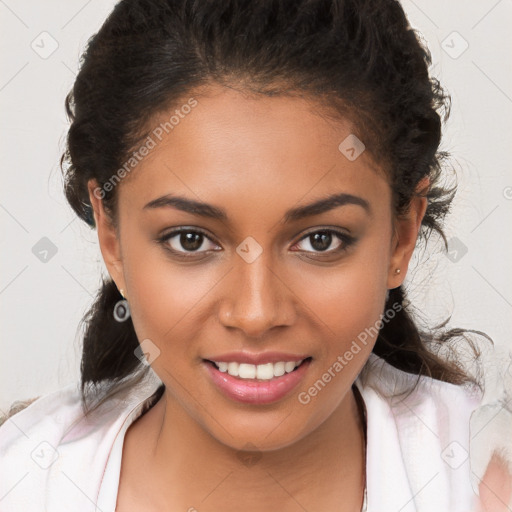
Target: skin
256,157
495,489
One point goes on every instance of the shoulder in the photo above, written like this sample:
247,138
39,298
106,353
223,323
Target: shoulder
45,411
425,427
15,408
52,454
49,416
414,393
29,438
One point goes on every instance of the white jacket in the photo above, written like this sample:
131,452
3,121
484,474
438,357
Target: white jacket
418,447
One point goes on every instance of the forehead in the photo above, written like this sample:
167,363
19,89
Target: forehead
231,147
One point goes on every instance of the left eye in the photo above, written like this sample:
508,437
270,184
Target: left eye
320,241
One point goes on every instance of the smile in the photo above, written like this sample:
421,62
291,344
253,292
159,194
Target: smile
256,383
260,371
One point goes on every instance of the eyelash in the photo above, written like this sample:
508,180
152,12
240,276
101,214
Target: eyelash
346,241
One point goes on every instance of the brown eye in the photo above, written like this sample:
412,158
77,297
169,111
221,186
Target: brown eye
191,241
183,241
320,241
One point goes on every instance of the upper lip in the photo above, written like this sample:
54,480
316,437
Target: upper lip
259,358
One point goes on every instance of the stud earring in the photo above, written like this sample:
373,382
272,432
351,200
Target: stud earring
397,271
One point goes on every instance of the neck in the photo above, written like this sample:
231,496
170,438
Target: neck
324,470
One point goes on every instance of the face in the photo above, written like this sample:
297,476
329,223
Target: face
251,275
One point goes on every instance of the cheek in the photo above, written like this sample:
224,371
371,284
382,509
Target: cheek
165,298
348,298
346,309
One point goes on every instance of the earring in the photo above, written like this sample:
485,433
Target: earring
397,271
121,310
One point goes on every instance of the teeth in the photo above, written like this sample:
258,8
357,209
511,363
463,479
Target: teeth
289,366
278,369
265,371
246,371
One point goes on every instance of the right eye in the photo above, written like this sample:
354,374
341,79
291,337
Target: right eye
187,242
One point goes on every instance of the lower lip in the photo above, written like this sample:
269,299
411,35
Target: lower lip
253,391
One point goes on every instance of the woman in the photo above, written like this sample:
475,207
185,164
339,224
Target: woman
259,174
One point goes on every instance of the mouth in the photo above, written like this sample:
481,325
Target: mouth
258,372
256,383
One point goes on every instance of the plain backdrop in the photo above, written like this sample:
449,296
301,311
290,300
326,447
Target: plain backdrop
43,295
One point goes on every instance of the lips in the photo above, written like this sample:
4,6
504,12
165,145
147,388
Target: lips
248,388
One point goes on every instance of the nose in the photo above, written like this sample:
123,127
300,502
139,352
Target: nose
256,298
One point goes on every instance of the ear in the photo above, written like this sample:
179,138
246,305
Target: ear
406,229
107,235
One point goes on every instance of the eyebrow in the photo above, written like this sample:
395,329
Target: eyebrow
214,212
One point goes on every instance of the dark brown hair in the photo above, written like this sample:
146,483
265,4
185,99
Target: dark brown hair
356,58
